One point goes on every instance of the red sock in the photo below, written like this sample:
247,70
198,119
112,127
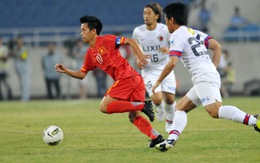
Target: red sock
145,127
120,106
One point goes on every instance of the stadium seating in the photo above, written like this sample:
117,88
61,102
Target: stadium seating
247,33
54,20
46,13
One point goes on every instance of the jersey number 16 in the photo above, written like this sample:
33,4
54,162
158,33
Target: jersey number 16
154,58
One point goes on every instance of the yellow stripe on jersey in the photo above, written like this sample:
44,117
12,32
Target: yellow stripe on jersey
191,31
113,86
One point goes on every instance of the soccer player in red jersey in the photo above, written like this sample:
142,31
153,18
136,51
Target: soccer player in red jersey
127,94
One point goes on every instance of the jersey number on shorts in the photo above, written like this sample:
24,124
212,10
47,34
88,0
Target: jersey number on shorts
149,85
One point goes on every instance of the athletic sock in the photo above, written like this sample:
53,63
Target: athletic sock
170,109
160,107
237,115
160,113
120,106
145,127
178,125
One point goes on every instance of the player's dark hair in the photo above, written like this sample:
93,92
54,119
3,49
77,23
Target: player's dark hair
93,23
178,11
157,9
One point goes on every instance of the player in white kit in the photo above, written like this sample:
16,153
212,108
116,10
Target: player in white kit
191,47
153,38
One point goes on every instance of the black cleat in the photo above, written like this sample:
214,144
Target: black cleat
164,146
155,141
148,110
257,125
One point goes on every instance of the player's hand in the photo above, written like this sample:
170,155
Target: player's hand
142,61
164,50
60,68
139,65
155,86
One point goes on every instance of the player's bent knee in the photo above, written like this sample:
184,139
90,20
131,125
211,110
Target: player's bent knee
103,109
157,102
170,100
213,109
213,113
132,116
131,119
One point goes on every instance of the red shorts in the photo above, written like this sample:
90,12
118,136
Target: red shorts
129,89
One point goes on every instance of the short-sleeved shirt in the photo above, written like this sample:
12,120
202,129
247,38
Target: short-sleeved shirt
191,46
106,56
150,42
128,85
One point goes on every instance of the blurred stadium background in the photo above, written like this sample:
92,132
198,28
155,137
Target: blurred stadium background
43,21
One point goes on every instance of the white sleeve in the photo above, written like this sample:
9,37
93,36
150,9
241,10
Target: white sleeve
176,43
134,36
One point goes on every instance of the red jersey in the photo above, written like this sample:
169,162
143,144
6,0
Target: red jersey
106,56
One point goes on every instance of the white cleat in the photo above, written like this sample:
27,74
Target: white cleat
166,145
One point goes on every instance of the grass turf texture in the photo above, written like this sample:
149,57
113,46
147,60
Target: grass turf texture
91,136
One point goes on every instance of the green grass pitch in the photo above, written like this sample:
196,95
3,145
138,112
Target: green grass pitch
93,137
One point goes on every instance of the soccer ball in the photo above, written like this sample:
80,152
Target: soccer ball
52,135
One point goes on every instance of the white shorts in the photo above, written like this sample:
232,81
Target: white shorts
167,85
204,93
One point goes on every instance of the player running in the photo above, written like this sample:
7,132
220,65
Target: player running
191,47
153,38
127,94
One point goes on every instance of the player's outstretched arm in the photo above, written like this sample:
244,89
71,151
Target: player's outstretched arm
140,57
216,48
63,69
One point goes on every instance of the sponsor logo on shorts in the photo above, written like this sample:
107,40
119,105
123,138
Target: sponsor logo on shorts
204,99
171,88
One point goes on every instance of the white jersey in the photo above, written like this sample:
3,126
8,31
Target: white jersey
150,42
191,46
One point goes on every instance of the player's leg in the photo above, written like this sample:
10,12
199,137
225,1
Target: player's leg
168,87
123,90
169,109
233,113
138,94
184,105
120,90
146,128
230,112
212,102
157,99
112,105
